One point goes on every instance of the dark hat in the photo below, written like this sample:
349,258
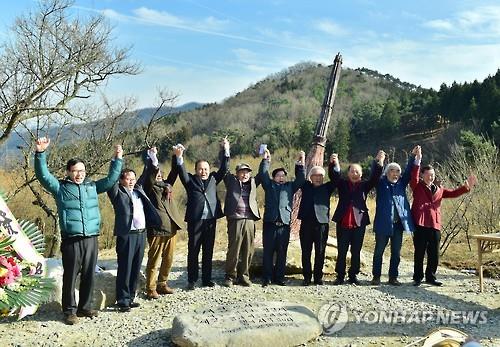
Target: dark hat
243,166
275,171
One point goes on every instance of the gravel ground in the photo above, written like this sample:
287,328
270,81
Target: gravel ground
150,324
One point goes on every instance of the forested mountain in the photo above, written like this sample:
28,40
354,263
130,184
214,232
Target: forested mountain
371,111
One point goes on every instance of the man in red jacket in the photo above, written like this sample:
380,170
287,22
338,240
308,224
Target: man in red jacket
426,213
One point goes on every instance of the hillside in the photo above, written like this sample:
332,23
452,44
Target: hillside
280,110
371,111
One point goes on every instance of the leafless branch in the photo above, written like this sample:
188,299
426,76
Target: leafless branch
53,60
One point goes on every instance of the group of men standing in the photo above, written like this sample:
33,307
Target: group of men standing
145,210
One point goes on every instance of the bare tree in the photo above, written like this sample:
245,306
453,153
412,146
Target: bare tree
52,59
101,127
478,211
166,101
89,141
53,62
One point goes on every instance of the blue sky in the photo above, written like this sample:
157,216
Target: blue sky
209,50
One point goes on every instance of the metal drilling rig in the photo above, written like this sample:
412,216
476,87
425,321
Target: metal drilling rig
316,154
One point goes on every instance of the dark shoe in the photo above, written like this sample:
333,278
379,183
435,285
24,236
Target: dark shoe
228,283
245,283
338,281
393,281
134,304
375,281
123,308
306,283
265,283
434,283
318,282
417,283
354,280
209,284
70,319
281,283
152,294
86,313
190,286
163,289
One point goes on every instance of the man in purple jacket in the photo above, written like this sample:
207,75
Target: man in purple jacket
351,214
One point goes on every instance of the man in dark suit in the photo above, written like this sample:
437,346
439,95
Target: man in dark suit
134,212
161,239
241,211
277,216
351,214
314,213
202,211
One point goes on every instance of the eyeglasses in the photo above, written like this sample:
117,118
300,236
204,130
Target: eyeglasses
75,172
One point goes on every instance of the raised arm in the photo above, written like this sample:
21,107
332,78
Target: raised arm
454,193
150,170
376,171
300,172
334,169
42,173
149,177
405,178
224,156
264,170
106,183
416,169
179,161
174,171
113,192
258,179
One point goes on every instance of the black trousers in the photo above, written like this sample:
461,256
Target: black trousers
79,255
129,253
275,241
349,237
426,240
313,233
201,234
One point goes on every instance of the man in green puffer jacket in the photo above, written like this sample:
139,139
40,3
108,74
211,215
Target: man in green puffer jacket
80,221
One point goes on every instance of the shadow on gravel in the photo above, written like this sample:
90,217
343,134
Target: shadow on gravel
154,338
407,321
445,303
218,264
50,312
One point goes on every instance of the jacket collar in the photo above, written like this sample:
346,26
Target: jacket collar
68,180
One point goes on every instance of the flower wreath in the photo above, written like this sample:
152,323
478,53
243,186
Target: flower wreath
23,284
